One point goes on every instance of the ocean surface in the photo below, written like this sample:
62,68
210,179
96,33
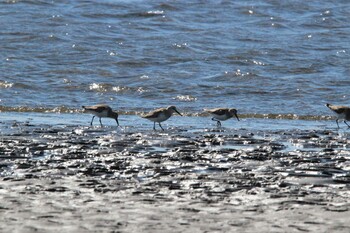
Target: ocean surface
269,59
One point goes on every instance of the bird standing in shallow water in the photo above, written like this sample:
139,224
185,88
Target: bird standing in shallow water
100,111
222,114
342,112
160,115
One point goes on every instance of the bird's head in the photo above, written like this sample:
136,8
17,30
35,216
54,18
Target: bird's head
115,115
233,111
173,109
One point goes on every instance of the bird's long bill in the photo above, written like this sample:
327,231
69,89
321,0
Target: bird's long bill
178,112
236,116
116,119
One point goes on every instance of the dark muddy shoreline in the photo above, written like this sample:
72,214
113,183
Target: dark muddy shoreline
181,180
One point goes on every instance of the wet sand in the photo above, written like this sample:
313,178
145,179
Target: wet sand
74,178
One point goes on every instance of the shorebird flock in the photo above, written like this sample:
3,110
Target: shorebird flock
218,114
159,115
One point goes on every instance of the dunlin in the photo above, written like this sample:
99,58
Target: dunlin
222,114
342,112
160,115
100,111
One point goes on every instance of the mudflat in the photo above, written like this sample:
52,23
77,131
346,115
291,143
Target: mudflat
83,179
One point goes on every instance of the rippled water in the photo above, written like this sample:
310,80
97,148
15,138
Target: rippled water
262,57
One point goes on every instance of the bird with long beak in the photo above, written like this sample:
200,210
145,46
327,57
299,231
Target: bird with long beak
160,115
100,111
222,114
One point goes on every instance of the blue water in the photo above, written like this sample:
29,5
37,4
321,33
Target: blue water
261,57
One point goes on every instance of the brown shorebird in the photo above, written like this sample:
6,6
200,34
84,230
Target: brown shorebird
100,111
160,115
222,114
342,112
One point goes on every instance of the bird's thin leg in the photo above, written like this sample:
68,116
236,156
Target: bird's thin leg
117,122
154,125
347,124
219,124
160,126
101,122
92,120
337,122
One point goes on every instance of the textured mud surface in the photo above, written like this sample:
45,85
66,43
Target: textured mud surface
209,180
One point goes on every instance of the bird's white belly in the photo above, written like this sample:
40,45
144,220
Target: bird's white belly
220,117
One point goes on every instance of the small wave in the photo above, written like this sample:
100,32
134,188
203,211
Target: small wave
151,13
60,109
156,12
120,89
31,2
99,87
267,116
286,116
185,98
147,14
104,87
11,1
180,45
5,84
